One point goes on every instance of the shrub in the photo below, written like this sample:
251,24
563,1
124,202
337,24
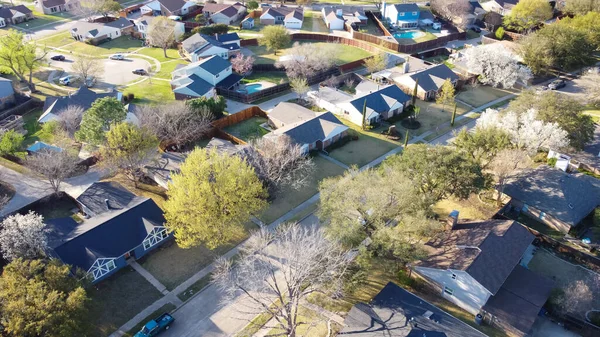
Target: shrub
10,143
500,33
552,162
130,96
540,157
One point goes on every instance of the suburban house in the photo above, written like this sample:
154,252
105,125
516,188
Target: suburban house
588,159
226,147
56,6
402,16
553,197
83,30
502,7
200,46
199,79
481,266
395,312
102,244
169,7
224,13
143,23
15,15
336,16
7,94
291,18
382,102
248,23
312,130
161,169
83,97
102,197
430,81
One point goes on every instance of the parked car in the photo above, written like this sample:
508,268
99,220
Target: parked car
67,80
175,18
263,5
152,328
140,71
117,57
90,81
57,58
557,84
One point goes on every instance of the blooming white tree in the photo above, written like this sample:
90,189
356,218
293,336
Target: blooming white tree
496,65
242,64
23,236
525,131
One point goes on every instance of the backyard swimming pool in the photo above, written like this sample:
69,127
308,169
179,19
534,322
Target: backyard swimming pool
409,35
252,88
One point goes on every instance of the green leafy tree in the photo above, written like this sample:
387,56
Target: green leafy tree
201,19
11,143
98,119
128,147
299,86
582,7
482,144
235,193
376,63
20,57
453,116
219,28
586,24
528,14
439,171
446,94
216,106
274,38
252,5
557,108
40,298
500,33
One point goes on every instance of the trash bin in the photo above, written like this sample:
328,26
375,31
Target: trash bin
478,319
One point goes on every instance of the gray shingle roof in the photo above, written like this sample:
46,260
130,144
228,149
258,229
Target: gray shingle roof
381,100
290,113
228,11
214,64
84,98
6,88
433,78
403,8
317,128
119,23
52,3
102,197
199,41
172,5
395,312
567,197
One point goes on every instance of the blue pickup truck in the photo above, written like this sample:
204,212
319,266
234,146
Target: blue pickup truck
152,328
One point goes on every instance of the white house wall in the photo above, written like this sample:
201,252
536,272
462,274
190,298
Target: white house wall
220,18
467,292
224,53
292,23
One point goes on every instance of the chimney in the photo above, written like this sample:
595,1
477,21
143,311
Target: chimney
107,205
452,220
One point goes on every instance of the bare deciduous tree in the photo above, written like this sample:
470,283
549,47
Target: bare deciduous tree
591,84
23,236
91,8
175,122
507,164
161,33
55,166
280,162
453,10
304,60
376,62
87,66
576,298
70,118
278,270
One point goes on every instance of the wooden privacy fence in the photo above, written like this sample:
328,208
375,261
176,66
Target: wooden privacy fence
22,108
238,117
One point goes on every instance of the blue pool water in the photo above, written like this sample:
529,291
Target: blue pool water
252,88
408,35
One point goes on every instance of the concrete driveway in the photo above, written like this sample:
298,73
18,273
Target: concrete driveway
114,72
543,327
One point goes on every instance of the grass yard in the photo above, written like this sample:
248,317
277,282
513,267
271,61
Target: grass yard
34,129
151,93
369,146
480,95
56,40
267,76
52,207
166,68
316,325
165,308
345,54
195,288
172,265
158,54
248,129
123,44
117,299
313,22
288,198
595,115
42,19
433,115
564,273
371,28
472,208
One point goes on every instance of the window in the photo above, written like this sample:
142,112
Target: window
414,13
102,267
453,276
157,235
401,14
448,291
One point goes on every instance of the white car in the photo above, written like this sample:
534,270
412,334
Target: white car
90,82
117,57
67,80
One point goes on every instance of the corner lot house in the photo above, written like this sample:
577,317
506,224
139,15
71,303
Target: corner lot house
200,46
311,130
430,81
169,7
291,18
143,23
83,31
84,97
481,267
199,79
15,15
336,16
56,6
102,244
226,14
402,16
395,312
7,94
553,197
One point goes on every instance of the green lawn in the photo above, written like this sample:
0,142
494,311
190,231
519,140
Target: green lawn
313,22
158,53
480,95
195,288
42,19
117,299
151,93
267,76
344,53
165,308
434,115
288,198
166,68
56,40
595,115
34,130
123,44
369,146
248,129
172,265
